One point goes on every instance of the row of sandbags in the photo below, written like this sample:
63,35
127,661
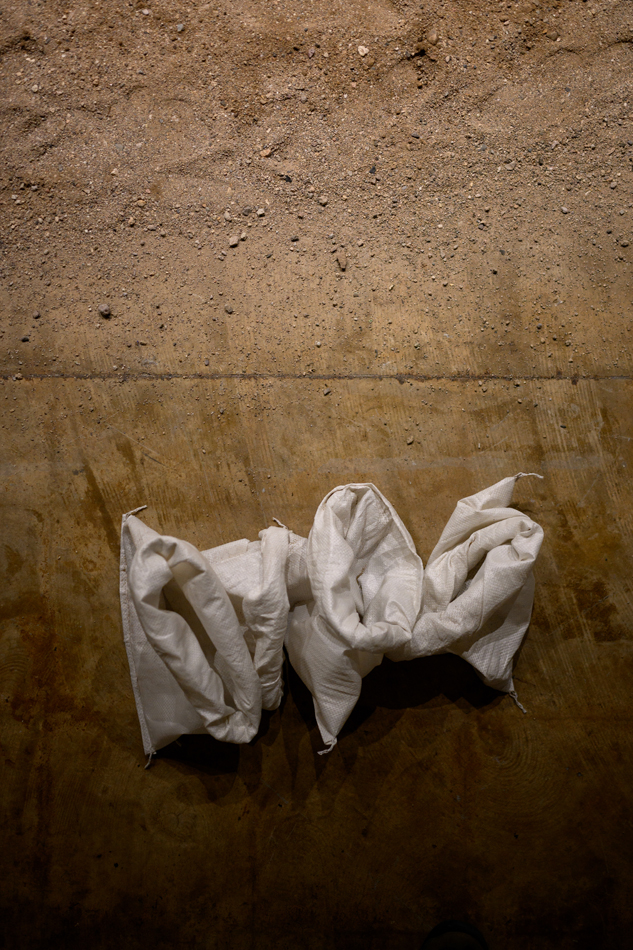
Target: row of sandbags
205,631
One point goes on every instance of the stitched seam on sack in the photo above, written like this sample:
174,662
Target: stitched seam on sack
148,745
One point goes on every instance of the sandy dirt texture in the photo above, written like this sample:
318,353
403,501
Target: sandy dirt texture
250,251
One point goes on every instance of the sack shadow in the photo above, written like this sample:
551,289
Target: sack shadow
428,682
387,692
217,764
391,689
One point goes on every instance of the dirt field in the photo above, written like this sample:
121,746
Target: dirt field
248,252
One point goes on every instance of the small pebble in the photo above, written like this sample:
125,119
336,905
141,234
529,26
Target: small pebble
327,392
228,308
25,339
410,440
433,36
261,212
266,152
362,51
227,216
318,343
180,27
323,201
565,210
104,310
341,258
37,315
234,240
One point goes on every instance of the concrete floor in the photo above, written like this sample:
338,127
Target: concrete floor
441,799
206,397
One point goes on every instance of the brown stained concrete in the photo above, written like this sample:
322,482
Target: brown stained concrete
440,800
456,308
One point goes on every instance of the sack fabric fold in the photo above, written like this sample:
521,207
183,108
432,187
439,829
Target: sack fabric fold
205,630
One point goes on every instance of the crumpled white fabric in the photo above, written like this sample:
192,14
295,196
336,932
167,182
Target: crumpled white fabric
205,630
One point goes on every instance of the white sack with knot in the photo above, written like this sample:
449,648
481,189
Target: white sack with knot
205,630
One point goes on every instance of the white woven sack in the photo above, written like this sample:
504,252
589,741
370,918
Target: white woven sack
366,581
204,630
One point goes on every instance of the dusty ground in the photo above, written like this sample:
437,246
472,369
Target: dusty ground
330,242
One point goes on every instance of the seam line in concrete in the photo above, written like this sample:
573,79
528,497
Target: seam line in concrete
399,377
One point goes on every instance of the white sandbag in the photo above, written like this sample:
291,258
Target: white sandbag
479,587
195,666
366,581
205,631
